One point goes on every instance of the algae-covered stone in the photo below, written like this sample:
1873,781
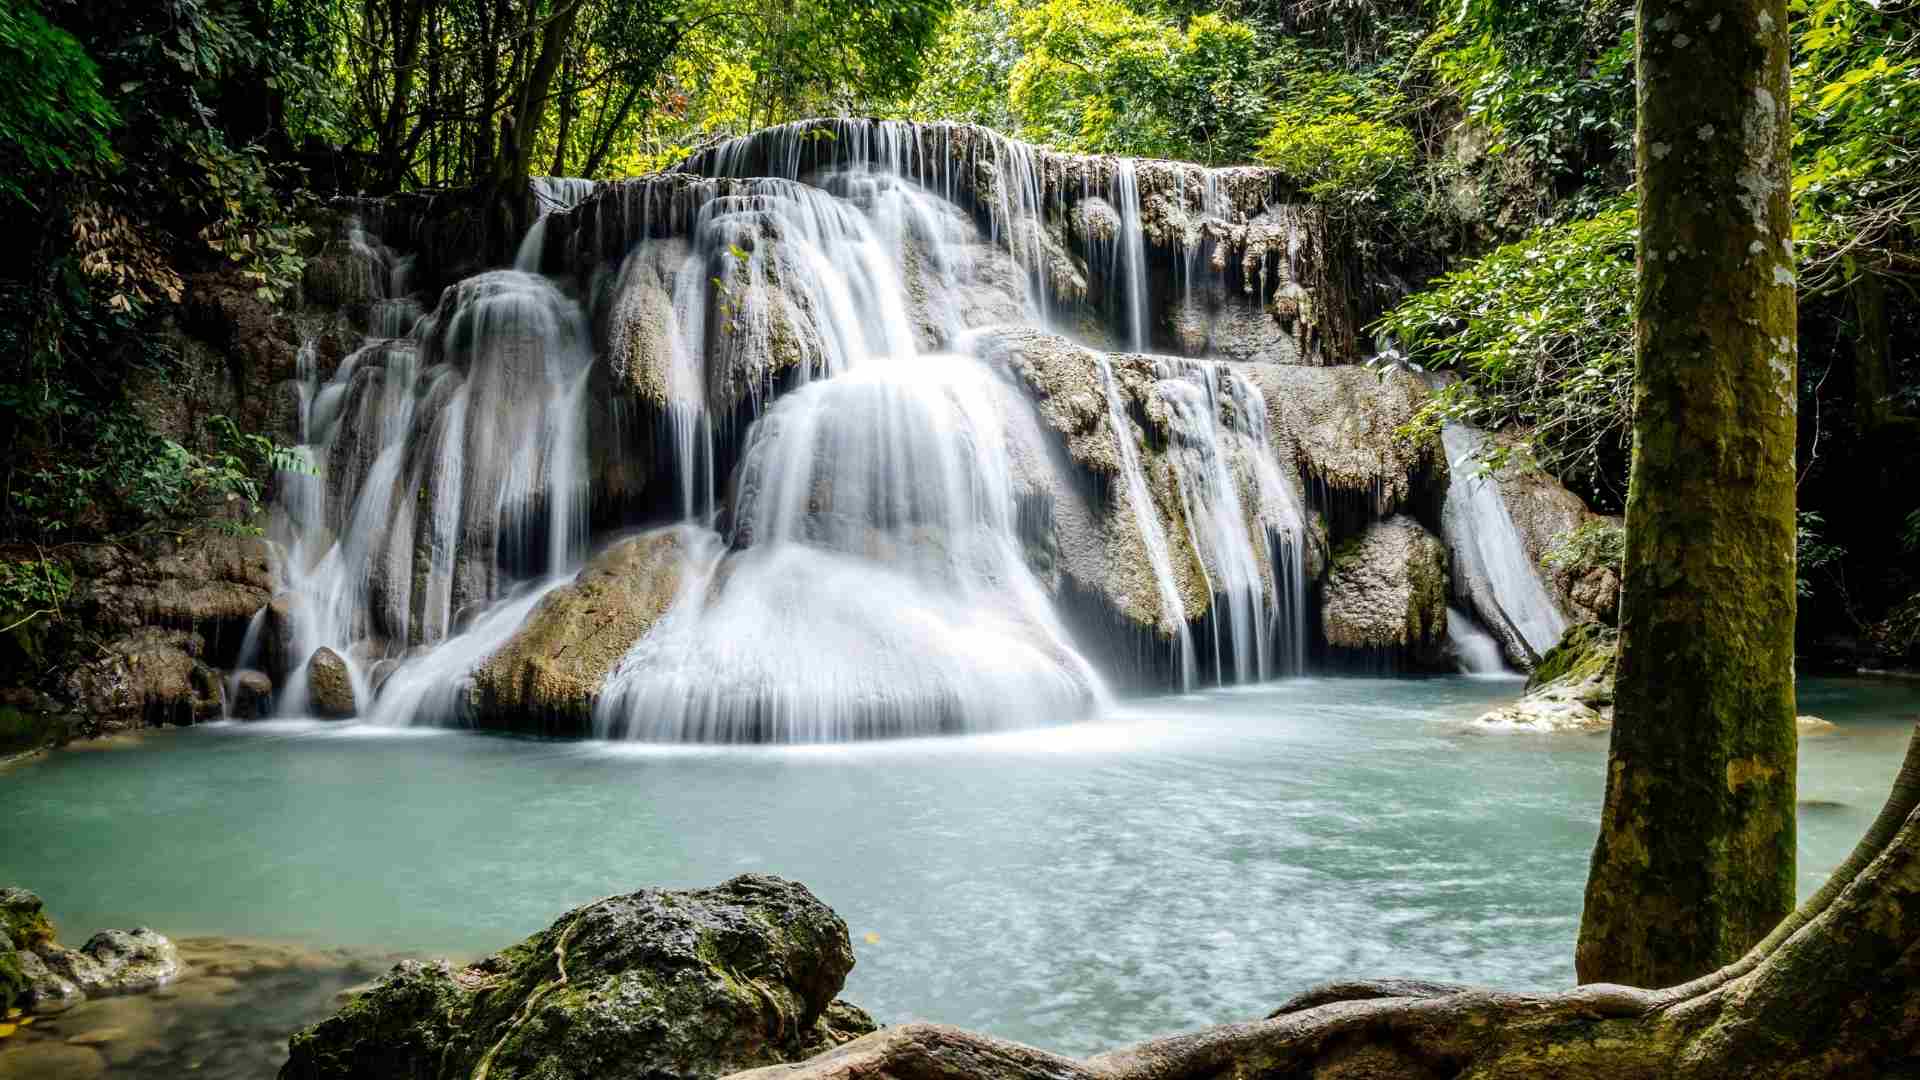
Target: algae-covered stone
1387,593
1570,689
549,674
658,984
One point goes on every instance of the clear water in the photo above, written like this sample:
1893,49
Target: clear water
1188,860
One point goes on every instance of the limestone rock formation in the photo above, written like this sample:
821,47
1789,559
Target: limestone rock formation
549,674
330,686
1342,425
1570,690
206,583
1386,594
656,984
148,676
252,695
37,972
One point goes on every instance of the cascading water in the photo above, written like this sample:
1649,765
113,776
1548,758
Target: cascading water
447,471
1254,562
1489,556
1475,652
861,485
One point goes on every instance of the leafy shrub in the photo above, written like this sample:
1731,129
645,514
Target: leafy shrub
1541,334
32,589
1596,544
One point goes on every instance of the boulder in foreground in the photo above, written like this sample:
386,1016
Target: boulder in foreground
657,984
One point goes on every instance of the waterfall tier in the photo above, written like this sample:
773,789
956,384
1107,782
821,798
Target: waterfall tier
886,395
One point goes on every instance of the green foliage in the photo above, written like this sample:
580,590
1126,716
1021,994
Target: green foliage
31,589
53,117
1541,332
1337,138
1549,79
968,68
1100,76
1856,181
1813,553
1596,544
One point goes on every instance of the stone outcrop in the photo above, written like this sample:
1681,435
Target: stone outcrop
148,676
38,973
1569,691
549,674
656,984
1070,471
1386,594
1341,426
330,686
205,583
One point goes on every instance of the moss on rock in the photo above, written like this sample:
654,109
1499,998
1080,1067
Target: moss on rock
550,673
657,984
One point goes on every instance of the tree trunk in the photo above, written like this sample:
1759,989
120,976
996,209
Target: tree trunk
1834,992
1872,346
1695,856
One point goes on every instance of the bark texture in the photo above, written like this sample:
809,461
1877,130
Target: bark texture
1833,992
1695,856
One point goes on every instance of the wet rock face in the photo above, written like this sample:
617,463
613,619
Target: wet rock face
116,962
149,676
549,675
657,984
1387,593
39,973
329,686
207,584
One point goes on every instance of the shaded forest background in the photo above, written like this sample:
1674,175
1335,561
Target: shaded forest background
1478,154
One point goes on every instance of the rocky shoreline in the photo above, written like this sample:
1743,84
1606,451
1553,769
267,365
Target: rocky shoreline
656,983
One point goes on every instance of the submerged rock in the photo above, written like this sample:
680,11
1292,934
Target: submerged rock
1814,725
660,984
39,973
550,673
330,685
1386,593
116,962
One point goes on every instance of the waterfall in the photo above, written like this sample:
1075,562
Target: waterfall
1173,611
775,346
1475,652
445,468
1254,563
1491,567
549,193
1132,252
873,583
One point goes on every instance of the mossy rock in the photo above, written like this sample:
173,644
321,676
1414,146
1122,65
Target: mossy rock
549,674
24,731
1588,651
23,919
656,984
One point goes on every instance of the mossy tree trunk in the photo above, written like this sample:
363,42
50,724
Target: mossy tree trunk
1694,862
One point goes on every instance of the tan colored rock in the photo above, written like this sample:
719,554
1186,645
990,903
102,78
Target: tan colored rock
330,686
1341,426
552,670
1388,591
1813,725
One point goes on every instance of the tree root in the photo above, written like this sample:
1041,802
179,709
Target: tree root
1834,991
